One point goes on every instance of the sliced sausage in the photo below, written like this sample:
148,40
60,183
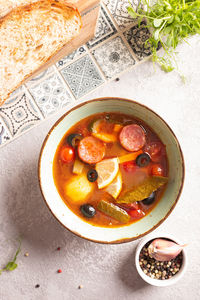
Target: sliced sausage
132,137
91,150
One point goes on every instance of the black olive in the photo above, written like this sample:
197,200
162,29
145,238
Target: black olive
107,117
143,160
150,199
88,210
92,175
143,129
73,139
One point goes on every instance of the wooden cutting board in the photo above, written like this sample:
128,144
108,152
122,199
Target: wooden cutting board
89,10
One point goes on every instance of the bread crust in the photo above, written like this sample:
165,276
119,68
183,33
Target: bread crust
29,7
7,5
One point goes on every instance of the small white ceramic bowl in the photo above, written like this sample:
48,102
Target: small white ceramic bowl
124,233
158,282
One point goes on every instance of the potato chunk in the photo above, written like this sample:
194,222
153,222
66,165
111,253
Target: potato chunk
78,188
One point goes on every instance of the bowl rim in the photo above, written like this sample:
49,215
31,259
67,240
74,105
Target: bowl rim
154,281
123,240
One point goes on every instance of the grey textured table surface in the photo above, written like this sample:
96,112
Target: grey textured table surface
104,271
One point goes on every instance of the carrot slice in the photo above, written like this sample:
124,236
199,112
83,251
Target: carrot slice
117,127
129,157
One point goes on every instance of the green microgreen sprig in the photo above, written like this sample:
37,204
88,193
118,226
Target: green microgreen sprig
11,265
170,23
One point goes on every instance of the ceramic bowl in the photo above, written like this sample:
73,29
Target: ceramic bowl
157,282
125,233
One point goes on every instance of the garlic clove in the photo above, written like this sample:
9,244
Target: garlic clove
164,250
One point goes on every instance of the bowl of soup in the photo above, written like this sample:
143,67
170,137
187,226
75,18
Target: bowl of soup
111,170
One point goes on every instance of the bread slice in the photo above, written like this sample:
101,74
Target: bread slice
7,5
30,36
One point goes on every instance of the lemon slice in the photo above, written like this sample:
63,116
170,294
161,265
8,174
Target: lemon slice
107,170
115,187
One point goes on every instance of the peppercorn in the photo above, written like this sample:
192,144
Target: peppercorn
156,269
80,287
37,286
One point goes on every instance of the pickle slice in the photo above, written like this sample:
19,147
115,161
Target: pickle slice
94,126
144,190
113,211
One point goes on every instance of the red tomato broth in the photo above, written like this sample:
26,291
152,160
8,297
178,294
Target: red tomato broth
62,172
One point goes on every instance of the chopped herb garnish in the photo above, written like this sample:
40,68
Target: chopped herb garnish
11,265
170,22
